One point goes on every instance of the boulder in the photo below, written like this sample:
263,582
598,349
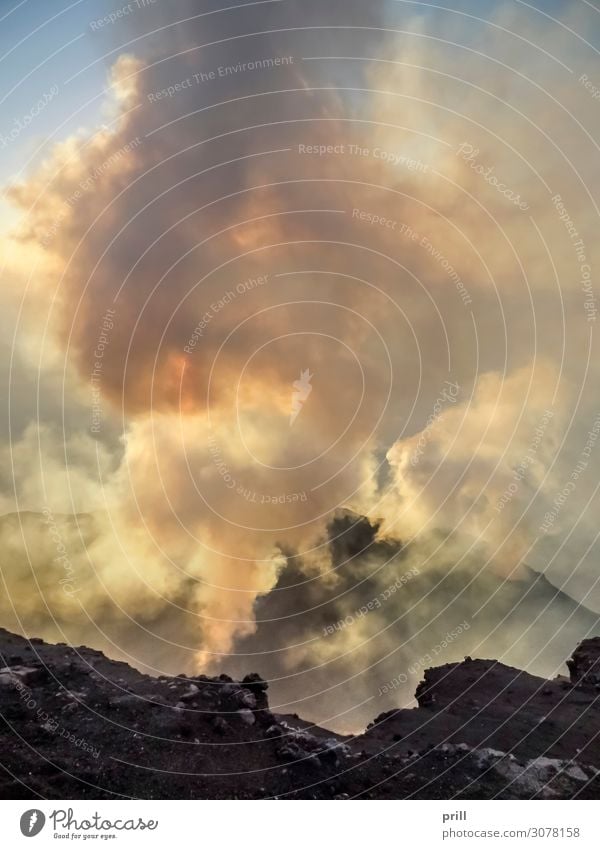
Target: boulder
247,717
28,676
584,665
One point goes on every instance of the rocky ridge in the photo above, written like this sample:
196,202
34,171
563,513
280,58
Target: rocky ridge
78,725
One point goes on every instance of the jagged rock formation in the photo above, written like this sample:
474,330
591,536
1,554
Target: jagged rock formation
584,666
76,724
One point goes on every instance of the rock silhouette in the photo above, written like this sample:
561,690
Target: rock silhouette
78,725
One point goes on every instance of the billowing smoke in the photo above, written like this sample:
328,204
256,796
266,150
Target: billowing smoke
305,307
342,647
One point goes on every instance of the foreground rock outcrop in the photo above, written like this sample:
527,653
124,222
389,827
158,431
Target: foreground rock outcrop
75,724
584,666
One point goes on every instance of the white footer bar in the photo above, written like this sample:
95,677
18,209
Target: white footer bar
301,824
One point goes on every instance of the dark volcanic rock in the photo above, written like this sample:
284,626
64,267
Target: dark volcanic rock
75,724
584,666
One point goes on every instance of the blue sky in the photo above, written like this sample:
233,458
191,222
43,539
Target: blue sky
41,45
43,42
